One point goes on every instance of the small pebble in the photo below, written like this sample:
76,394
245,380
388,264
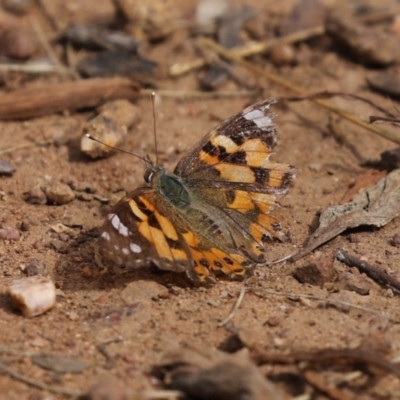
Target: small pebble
17,42
25,226
122,111
315,273
19,7
395,241
35,196
107,131
33,295
59,246
59,193
35,267
274,321
283,54
106,388
9,234
6,168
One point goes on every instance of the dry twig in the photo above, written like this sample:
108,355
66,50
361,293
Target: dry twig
235,307
197,94
371,271
250,49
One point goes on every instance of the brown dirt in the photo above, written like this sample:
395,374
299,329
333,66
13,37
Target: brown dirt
154,312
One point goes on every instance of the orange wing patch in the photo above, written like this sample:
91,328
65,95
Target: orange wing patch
160,232
206,262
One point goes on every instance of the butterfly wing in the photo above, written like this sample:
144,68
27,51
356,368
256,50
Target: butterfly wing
230,172
236,154
139,231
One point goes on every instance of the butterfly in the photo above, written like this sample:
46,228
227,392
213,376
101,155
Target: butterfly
211,215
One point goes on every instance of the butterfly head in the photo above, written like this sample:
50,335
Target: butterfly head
152,172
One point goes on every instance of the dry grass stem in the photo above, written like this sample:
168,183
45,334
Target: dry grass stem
297,89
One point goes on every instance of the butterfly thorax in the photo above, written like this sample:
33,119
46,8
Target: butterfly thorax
168,185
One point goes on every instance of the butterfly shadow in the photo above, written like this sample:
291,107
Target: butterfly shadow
80,268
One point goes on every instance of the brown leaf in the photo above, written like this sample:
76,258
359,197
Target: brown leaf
374,206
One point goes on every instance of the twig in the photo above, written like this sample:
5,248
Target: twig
327,356
162,394
48,99
328,301
283,259
11,149
53,21
373,118
29,381
199,94
36,68
102,348
251,49
371,271
235,307
297,89
44,42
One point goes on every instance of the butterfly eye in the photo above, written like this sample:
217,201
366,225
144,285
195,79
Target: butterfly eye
148,175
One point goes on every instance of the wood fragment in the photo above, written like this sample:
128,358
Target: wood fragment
49,99
373,272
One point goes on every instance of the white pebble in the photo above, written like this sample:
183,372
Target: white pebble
33,295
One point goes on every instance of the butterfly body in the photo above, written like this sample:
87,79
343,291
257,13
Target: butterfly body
211,214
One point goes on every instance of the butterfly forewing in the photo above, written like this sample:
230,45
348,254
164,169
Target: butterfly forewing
136,233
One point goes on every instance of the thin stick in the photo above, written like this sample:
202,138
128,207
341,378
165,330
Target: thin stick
36,68
373,272
328,301
251,49
198,94
291,86
45,44
235,307
162,394
11,149
32,382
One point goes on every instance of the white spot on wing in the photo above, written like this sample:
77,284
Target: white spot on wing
123,230
118,225
106,236
114,220
258,117
135,248
116,247
125,250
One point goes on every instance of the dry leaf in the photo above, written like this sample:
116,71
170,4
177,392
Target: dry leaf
374,206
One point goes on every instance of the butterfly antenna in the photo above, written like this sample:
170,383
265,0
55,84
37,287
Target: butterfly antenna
153,101
89,136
